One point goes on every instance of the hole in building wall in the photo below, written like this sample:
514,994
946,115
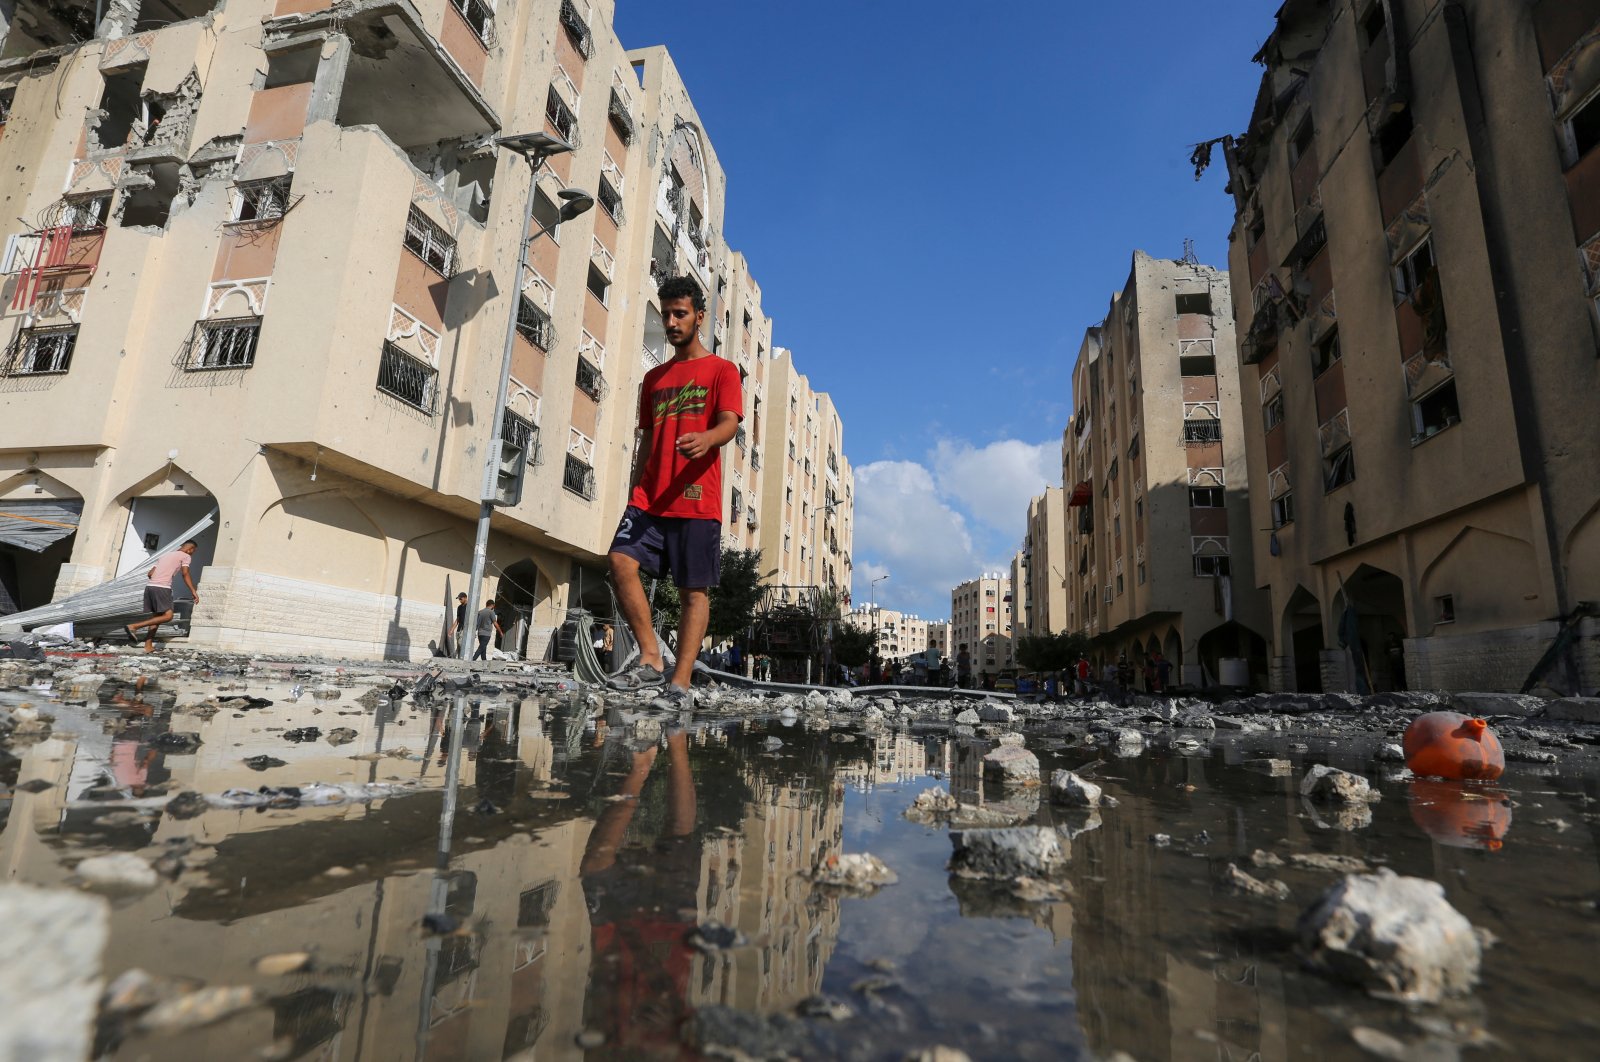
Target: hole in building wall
1195,302
1393,136
292,66
1197,365
35,26
1585,126
1373,22
122,108
149,202
1435,411
153,14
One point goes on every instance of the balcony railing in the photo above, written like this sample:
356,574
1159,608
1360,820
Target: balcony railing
750,520
478,15
410,379
224,344
741,440
578,477
517,430
589,379
40,352
755,458
1200,432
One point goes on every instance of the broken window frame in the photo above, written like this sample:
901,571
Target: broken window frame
264,200
407,378
534,324
1187,363
42,351
1283,510
577,476
1272,412
561,117
621,120
1189,299
1409,272
1325,352
589,379
86,213
1212,565
1387,141
478,16
610,200
577,29
430,243
223,343
1338,469
1202,431
1436,411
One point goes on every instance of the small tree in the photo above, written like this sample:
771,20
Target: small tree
736,595
852,645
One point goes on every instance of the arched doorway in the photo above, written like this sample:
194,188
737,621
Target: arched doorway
1232,655
38,527
1300,637
1370,611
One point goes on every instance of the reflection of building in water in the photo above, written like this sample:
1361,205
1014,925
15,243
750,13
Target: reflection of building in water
898,757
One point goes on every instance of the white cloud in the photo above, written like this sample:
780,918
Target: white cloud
904,529
993,483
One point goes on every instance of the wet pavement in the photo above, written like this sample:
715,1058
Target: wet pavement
540,874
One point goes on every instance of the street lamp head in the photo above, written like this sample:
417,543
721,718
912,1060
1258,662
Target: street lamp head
534,146
576,202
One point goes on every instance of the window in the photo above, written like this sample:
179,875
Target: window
578,477
261,200
86,213
1392,137
1583,127
1444,608
534,324
1212,566
560,116
622,122
589,379
1324,352
599,286
1282,510
1272,413
1116,525
1434,412
1199,432
577,29
610,201
1138,510
786,543
1119,586
430,243
225,344
478,15
1300,143
1205,497
1412,270
1338,468
1257,230
1373,22
407,378
1196,302
43,351
1141,574
1197,365
546,216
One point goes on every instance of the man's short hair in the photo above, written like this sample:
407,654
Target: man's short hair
461,596
191,542
681,288
489,603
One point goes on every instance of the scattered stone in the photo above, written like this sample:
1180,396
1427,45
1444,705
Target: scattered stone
194,1009
50,972
724,1032
326,693
1483,705
825,1007
1069,789
1265,859
118,872
135,990
1243,883
773,744
1391,752
1126,742
342,735
1273,768
930,805
263,762
187,805
996,713
1009,853
1530,756
1161,840
940,1053
1012,765
1010,738
286,962
1339,864
1398,937
1331,785
967,717
178,743
304,733
1574,709
855,872
816,701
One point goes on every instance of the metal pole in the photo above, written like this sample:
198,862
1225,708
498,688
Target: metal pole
491,460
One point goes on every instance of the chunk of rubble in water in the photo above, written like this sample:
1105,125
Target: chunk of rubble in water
1243,883
1339,864
1008,853
855,872
50,971
1262,858
1331,785
1070,789
118,872
713,936
304,733
1272,767
1398,937
1012,765
201,1007
263,762
342,735
286,962
931,804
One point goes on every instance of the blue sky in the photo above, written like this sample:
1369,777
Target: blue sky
937,206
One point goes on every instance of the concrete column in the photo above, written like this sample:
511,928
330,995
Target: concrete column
328,87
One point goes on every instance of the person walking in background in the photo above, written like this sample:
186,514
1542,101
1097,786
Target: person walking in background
1163,670
1124,675
458,629
964,667
1108,683
1082,671
488,624
158,593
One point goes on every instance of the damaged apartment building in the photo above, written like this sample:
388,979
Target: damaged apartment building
257,262
1158,546
1416,272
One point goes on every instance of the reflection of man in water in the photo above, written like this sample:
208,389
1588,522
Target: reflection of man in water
639,984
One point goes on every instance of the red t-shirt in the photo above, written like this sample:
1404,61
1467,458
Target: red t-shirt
680,397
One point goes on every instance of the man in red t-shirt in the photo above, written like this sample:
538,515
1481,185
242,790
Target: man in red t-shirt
689,409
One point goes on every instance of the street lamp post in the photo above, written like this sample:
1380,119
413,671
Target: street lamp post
535,148
872,606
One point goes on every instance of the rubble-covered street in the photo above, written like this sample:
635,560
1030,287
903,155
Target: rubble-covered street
218,857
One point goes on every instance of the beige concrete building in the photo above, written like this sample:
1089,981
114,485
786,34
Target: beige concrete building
939,637
1157,502
1044,611
263,266
1416,266
808,494
981,619
1019,600
900,634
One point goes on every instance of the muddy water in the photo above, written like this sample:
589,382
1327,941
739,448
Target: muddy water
563,858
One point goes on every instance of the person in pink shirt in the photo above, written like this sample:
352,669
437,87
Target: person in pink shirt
158,593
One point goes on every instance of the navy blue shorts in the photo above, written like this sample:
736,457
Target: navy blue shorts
689,550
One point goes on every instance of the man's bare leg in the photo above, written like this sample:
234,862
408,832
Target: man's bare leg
153,623
691,632
635,607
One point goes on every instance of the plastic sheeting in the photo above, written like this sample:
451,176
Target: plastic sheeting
121,597
34,524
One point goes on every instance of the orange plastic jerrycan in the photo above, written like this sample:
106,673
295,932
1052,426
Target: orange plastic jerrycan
1451,745
1462,816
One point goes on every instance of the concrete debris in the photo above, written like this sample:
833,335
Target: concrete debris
1485,705
713,936
1264,859
1398,937
1243,883
50,972
723,1032
1012,765
195,1009
1574,709
940,1053
967,717
287,962
1008,854
1069,789
855,872
931,805
341,735
1330,785
117,873
996,713
1273,768
1339,864
1125,742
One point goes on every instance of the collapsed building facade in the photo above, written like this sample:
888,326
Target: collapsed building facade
1158,542
1416,276
264,267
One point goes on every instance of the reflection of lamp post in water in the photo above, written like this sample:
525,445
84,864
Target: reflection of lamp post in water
439,893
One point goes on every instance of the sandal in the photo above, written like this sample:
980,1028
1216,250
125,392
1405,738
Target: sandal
637,677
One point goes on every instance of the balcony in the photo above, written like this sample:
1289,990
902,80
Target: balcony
223,344
409,379
750,519
589,379
741,440
755,458
578,478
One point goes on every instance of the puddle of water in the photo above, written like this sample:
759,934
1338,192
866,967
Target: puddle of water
576,856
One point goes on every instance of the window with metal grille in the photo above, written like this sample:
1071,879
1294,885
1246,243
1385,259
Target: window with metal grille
578,477
560,115
621,120
85,213
478,15
261,200
43,351
519,431
589,378
610,201
1202,431
430,243
577,29
408,378
1324,352
736,506
534,324
1338,468
1210,566
229,343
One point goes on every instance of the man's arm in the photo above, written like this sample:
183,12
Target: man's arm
641,436
697,444
190,582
